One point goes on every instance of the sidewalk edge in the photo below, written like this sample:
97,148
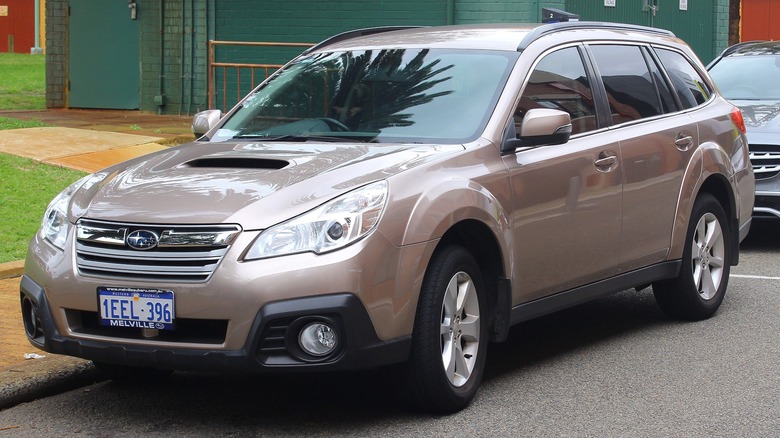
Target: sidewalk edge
11,269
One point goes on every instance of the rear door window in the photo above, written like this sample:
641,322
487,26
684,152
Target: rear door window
631,92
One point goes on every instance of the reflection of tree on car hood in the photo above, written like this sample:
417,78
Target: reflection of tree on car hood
764,115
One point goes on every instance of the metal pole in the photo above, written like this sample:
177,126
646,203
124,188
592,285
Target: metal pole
37,48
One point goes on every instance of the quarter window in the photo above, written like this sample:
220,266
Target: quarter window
559,82
690,86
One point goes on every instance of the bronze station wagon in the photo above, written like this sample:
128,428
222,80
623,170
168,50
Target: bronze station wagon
402,196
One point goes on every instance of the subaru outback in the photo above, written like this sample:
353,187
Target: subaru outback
402,197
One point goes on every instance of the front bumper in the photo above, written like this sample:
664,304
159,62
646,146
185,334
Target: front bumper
270,346
767,201
767,205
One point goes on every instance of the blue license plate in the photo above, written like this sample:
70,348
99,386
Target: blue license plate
136,308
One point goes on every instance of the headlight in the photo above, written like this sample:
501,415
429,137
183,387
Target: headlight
55,225
331,226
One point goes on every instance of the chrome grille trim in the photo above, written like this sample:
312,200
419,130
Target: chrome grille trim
765,160
186,253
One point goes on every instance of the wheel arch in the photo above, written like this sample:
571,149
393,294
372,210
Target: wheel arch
718,186
479,240
710,172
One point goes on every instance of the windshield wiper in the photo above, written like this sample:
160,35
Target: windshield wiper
303,138
285,137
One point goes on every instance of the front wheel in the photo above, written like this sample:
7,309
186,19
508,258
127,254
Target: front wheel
701,285
449,342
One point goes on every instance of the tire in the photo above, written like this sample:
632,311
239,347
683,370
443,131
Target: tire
449,343
701,285
131,374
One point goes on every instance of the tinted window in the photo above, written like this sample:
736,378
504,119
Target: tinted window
559,82
686,80
626,76
664,92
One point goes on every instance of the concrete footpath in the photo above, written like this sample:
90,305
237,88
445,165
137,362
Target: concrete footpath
87,140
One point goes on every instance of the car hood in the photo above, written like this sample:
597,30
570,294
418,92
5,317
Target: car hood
254,185
762,119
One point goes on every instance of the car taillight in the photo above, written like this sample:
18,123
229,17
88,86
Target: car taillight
736,117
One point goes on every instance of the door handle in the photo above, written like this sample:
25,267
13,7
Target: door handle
683,142
606,161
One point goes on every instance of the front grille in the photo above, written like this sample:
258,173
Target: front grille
180,253
765,160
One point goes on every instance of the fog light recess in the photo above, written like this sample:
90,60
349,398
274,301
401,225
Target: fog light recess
318,339
32,322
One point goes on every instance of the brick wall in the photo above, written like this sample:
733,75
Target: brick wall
174,83
56,53
720,39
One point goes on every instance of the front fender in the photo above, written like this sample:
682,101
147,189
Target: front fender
446,204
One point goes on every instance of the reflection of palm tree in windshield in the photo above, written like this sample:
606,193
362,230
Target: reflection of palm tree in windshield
374,93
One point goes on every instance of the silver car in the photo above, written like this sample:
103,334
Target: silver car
747,74
402,196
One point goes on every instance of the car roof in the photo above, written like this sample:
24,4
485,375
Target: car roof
752,48
511,37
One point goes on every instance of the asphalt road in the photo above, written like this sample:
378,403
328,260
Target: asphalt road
613,367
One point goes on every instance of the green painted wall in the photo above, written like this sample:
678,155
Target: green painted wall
275,21
174,36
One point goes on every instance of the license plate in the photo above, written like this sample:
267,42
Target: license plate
136,308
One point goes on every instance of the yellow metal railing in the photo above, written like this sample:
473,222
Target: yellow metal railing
226,67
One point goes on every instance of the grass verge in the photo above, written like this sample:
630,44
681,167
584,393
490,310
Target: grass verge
26,188
22,81
10,123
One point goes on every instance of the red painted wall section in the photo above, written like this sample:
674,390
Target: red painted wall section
17,25
758,17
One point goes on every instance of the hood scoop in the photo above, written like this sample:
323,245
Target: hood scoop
237,163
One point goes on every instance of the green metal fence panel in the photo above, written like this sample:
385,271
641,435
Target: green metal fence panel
310,21
692,21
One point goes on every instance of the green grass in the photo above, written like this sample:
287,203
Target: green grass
10,123
22,81
26,188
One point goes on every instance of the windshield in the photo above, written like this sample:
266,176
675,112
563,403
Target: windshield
392,95
752,77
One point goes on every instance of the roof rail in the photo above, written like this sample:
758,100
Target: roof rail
356,33
547,29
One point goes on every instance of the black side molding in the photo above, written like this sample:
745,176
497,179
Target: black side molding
599,289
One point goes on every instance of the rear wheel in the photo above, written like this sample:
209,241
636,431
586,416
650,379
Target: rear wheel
699,289
449,342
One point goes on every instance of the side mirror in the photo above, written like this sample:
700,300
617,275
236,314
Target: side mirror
541,127
203,121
